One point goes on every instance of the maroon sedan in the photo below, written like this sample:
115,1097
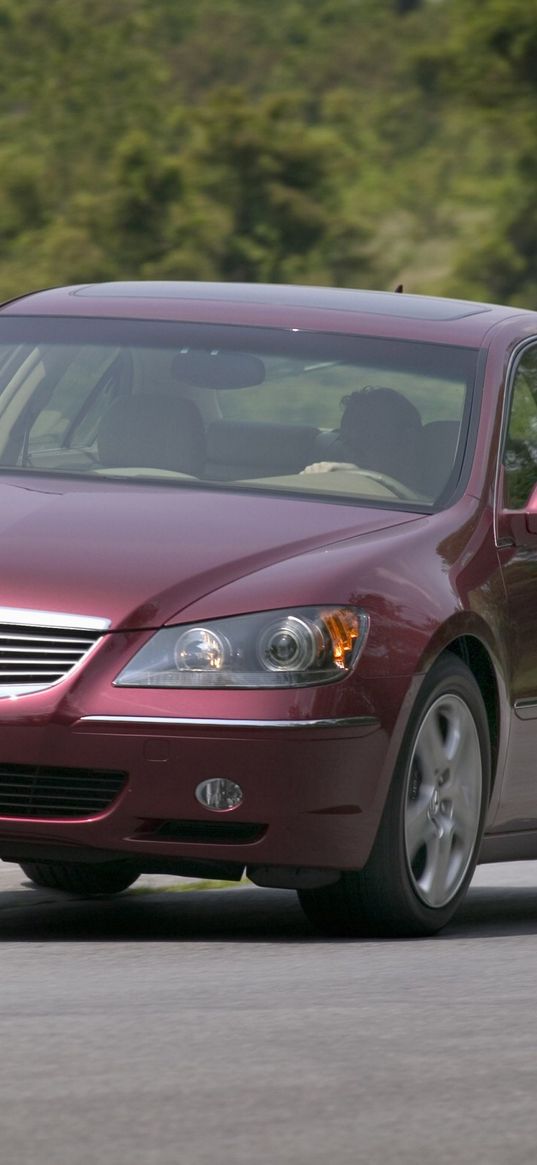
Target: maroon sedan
268,592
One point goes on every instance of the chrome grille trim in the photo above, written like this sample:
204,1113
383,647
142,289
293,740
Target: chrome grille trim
40,648
29,617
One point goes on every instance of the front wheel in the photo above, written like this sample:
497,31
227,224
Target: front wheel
80,878
428,841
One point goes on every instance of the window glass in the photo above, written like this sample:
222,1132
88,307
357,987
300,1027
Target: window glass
78,376
313,394
375,420
520,457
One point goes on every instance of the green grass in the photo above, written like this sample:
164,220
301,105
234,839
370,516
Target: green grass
181,887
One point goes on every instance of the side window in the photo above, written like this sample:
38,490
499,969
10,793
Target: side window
520,455
89,373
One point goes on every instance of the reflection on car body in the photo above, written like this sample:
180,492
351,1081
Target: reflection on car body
267,595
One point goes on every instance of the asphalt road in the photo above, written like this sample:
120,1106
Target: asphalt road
214,1028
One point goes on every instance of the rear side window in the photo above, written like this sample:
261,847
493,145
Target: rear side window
520,455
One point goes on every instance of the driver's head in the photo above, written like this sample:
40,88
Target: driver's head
380,430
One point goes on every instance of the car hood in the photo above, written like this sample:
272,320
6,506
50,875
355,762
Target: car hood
139,554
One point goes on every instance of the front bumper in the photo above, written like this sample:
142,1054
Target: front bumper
314,765
313,793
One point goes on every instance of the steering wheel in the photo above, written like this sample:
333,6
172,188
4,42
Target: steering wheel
403,492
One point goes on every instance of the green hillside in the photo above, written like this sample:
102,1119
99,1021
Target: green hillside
356,142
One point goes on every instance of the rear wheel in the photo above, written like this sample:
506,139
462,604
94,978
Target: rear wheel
81,878
428,841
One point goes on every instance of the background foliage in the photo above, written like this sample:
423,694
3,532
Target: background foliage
356,142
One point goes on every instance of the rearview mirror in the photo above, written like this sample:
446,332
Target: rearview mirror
202,369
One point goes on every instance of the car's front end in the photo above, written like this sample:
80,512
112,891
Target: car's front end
232,534
215,733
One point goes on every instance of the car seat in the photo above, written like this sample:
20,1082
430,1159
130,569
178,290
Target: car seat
156,432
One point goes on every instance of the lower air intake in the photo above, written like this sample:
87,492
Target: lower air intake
43,791
209,832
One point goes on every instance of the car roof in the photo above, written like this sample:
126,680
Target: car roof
325,309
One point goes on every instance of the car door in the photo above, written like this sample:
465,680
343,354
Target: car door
517,548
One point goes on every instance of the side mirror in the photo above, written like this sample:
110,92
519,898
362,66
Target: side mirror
531,512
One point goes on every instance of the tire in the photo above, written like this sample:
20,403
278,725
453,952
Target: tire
80,878
428,841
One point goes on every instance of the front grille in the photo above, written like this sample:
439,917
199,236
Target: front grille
44,791
36,657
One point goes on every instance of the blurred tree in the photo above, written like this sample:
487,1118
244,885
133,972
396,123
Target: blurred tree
346,141
276,180
493,53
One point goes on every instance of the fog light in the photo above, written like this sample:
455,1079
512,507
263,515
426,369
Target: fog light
219,794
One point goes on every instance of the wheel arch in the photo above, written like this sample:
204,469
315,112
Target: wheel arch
472,652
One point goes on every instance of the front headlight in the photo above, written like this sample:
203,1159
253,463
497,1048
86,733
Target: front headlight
275,649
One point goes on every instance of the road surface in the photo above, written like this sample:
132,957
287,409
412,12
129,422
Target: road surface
214,1028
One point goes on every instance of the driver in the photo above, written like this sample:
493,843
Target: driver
380,432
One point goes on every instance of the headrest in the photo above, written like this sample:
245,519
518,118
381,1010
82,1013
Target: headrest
157,432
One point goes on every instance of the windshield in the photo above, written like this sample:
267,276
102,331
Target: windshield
350,417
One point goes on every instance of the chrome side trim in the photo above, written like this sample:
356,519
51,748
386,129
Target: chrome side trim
28,617
526,709
207,722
